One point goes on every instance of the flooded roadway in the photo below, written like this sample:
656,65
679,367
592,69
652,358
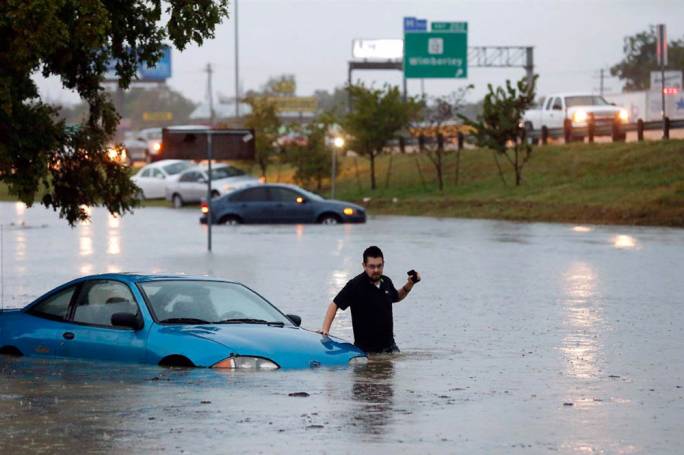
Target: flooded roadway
522,338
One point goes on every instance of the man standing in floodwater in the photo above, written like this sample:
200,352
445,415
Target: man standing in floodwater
370,296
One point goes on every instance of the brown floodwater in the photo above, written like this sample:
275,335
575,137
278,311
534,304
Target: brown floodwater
521,338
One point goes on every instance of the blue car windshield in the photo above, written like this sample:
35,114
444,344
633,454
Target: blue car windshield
198,302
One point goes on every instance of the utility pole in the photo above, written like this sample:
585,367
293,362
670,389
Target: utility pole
601,83
237,67
661,55
210,94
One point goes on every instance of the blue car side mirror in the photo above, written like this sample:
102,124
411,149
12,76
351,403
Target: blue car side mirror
129,320
296,320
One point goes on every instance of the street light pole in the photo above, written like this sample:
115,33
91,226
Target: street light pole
338,143
209,158
237,67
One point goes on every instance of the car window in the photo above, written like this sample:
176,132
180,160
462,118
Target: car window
145,173
190,177
175,168
257,194
208,301
226,172
54,307
157,174
557,104
99,300
283,195
548,103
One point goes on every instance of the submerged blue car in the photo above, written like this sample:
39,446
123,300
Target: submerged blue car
168,321
279,203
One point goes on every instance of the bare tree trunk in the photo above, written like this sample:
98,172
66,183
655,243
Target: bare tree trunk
420,171
440,168
389,171
372,169
498,167
458,165
518,168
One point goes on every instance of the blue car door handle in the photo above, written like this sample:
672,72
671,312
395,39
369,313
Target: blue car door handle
68,336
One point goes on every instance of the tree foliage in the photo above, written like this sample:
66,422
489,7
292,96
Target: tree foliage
266,124
312,159
498,127
74,40
640,59
376,117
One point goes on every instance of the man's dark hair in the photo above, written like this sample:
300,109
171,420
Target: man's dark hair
372,252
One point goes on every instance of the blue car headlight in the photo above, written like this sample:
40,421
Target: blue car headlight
246,363
359,360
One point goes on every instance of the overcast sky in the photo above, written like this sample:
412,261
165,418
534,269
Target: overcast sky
312,39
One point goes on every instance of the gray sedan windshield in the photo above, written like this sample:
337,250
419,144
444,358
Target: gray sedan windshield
208,302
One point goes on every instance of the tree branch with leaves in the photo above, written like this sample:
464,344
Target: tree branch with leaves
499,128
75,40
376,117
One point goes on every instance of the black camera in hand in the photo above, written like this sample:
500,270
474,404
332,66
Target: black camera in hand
413,276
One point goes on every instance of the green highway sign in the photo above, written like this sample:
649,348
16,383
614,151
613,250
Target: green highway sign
453,27
440,53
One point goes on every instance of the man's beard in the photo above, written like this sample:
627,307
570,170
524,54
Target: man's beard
375,278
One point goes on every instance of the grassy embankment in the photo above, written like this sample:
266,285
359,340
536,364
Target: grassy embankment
631,183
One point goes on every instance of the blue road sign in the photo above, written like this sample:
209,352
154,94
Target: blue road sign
412,24
157,73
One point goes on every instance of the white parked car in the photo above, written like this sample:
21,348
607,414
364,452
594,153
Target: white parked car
153,178
191,185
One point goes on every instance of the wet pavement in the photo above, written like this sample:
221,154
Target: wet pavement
522,338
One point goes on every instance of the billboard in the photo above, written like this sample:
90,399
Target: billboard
378,49
145,73
226,144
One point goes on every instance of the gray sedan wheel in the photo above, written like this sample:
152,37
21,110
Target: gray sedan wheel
329,219
177,201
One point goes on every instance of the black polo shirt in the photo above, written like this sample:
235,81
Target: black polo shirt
371,311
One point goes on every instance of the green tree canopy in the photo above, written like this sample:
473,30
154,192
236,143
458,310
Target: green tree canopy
376,117
498,127
640,59
264,120
74,40
312,161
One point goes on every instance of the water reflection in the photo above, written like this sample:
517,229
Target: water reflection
20,208
113,246
582,229
580,345
373,390
624,242
85,240
20,245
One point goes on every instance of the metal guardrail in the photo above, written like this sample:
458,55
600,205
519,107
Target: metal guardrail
616,130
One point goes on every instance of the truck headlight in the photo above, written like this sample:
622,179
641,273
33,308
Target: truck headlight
579,117
623,115
246,363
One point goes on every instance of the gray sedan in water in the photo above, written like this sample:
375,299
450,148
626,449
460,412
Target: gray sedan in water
279,203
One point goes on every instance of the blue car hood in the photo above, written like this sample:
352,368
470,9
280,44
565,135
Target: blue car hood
289,347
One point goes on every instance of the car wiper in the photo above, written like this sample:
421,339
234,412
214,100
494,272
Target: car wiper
251,321
184,321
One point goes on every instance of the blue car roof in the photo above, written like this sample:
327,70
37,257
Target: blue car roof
132,277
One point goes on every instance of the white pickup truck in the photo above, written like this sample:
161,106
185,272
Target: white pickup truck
577,107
